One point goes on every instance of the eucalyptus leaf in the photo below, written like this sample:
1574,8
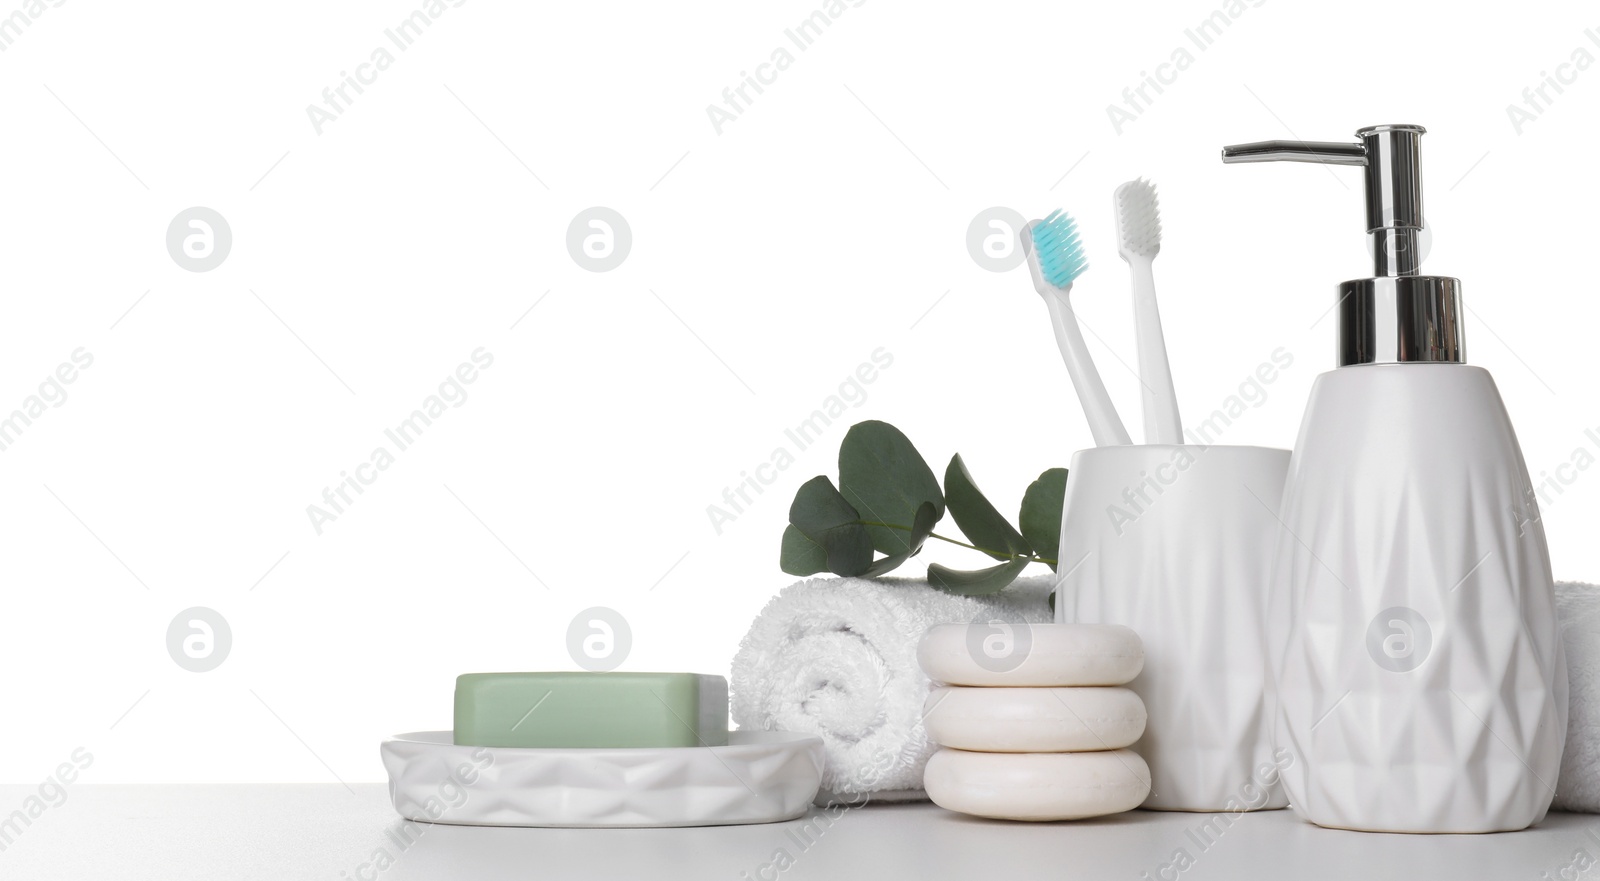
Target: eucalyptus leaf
981,582
1040,517
818,508
883,476
822,515
801,555
922,525
920,530
849,550
982,524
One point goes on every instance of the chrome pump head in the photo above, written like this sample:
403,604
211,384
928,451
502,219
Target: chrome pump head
1397,315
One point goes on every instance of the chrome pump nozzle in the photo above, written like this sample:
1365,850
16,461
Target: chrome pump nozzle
1397,315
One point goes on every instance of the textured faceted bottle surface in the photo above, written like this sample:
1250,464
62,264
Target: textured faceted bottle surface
1176,542
1420,679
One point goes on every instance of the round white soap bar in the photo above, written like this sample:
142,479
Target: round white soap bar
998,653
1037,786
1033,720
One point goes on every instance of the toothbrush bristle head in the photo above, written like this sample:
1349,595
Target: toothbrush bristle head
1058,249
1138,219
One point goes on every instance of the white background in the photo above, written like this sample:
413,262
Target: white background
768,262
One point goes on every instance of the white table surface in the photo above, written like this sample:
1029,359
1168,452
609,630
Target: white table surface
325,831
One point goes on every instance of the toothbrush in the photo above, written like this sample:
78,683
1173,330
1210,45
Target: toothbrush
1139,227
1055,258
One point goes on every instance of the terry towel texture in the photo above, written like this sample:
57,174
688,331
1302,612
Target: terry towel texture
1578,608
837,657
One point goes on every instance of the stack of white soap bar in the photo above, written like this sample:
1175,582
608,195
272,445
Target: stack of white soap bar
1033,722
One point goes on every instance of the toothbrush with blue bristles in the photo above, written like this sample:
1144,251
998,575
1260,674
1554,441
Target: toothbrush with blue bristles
1055,259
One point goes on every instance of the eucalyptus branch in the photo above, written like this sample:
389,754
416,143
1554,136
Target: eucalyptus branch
1032,558
882,475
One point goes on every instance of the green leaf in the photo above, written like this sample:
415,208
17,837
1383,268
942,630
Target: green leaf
822,515
921,528
982,524
849,550
886,479
981,582
801,555
1040,517
884,565
818,507
922,525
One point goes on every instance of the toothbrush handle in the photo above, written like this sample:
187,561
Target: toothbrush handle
1161,422
1104,423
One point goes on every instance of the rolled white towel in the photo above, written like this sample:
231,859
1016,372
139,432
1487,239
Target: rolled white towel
1578,608
837,657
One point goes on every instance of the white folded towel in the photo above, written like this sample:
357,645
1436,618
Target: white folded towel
837,657
1578,608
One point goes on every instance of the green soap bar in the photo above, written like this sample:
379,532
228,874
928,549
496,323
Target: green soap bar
591,709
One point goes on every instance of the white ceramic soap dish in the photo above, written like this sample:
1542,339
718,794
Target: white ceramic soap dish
759,777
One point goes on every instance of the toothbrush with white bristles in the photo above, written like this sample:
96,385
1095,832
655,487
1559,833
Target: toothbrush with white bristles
1139,231
1055,258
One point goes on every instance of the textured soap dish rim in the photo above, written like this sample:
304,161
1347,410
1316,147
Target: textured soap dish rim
418,762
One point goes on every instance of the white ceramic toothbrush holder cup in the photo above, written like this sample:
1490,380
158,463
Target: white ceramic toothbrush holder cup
1176,542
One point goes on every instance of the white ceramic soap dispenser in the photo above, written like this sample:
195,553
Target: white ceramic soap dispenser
1419,675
